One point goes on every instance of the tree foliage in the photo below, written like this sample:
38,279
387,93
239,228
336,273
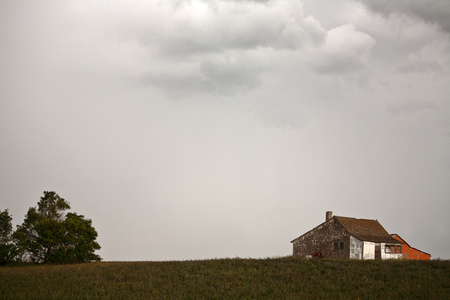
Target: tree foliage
52,207
7,247
49,235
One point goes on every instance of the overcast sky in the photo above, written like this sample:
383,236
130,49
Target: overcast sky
209,129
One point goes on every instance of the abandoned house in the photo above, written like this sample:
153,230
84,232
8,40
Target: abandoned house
344,238
409,252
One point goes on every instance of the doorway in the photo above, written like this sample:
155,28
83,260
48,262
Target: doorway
377,251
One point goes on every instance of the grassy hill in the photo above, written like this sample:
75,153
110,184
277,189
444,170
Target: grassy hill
274,278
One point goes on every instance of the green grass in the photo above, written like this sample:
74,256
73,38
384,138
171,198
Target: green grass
274,278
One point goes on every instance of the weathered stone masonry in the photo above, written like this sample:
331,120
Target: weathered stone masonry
322,240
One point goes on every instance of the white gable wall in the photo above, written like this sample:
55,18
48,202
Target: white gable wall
355,248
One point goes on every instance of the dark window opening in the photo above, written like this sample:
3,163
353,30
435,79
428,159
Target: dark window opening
393,248
338,246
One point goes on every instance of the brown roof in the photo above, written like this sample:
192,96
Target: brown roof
366,230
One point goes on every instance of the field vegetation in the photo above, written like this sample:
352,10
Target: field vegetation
271,278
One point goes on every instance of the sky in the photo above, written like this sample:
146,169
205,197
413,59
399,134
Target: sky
190,129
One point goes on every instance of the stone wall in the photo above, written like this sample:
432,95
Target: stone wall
320,242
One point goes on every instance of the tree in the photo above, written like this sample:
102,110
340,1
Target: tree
7,247
49,235
79,242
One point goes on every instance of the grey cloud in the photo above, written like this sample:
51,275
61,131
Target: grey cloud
223,74
345,50
213,78
415,65
278,27
225,77
191,42
199,27
203,47
435,12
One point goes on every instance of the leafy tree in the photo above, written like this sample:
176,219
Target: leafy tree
49,235
79,242
52,206
7,247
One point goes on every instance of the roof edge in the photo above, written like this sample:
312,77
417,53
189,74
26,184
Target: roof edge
312,229
405,242
360,237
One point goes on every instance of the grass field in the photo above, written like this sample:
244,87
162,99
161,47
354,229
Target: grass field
272,278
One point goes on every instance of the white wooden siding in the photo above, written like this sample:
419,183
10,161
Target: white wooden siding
385,255
355,248
368,250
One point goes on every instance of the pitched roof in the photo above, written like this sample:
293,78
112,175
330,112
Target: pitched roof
366,230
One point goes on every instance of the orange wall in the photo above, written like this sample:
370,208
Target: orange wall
412,253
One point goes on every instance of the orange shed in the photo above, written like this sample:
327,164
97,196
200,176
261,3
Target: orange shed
409,252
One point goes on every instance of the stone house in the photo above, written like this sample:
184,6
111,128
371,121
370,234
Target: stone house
347,238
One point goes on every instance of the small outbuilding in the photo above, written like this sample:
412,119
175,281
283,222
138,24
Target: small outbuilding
347,238
409,252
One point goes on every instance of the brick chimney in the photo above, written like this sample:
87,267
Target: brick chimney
328,215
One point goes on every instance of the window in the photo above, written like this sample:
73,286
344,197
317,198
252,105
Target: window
338,246
393,248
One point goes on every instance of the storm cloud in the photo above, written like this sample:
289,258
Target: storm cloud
434,12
